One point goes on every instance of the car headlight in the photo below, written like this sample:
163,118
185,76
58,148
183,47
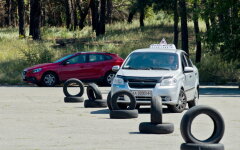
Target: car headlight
118,81
168,82
37,70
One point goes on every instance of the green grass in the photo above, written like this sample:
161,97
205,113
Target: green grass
121,38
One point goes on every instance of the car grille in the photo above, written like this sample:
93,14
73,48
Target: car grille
142,83
141,98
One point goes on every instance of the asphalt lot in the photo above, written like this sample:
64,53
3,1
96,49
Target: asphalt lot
35,118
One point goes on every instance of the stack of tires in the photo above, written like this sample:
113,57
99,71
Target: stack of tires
94,97
156,126
192,143
118,112
73,98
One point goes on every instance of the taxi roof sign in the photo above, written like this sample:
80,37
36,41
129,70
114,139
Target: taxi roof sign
163,44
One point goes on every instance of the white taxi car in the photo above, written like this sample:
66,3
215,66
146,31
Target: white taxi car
161,70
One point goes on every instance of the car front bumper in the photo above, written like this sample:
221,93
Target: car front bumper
168,94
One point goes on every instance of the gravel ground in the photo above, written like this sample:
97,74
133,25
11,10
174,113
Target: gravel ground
34,118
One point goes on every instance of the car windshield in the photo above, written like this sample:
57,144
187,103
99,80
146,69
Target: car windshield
152,61
63,58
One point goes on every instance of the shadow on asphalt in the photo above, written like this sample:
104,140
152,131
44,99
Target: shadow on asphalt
140,111
102,111
224,92
147,111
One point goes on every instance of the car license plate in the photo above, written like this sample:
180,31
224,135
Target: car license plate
147,93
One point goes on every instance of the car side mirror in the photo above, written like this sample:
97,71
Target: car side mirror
188,69
115,68
66,63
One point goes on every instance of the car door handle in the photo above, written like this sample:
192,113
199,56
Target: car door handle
190,76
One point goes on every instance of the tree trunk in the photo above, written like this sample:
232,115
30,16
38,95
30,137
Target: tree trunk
2,13
35,19
130,16
8,9
67,13
21,14
176,20
184,27
102,21
109,11
83,13
95,16
196,30
142,16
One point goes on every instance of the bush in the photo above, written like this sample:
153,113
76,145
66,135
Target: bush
214,69
36,53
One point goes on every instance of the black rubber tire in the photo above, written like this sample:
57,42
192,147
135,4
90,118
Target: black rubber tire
189,116
156,110
98,103
115,96
174,108
93,92
123,114
192,146
109,101
105,80
148,127
44,84
70,81
73,99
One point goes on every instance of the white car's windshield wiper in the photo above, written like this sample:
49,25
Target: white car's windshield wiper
155,68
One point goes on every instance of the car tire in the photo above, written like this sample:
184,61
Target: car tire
49,79
192,113
98,103
178,108
156,110
192,146
153,128
70,81
194,102
123,114
73,99
93,92
108,78
109,101
114,104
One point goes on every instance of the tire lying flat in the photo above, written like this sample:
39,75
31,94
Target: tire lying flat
73,99
98,103
93,92
71,81
192,113
123,114
152,128
192,146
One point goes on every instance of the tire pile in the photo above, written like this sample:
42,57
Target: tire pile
116,112
94,97
73,98
156,126
192,143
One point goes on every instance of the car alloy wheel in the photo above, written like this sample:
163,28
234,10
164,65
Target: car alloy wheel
49,79
110,78
182,101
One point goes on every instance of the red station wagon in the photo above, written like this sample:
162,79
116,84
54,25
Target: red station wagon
86,66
